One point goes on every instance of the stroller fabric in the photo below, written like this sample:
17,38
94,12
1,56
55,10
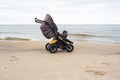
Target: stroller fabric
48,27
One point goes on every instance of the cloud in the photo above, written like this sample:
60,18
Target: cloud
63,11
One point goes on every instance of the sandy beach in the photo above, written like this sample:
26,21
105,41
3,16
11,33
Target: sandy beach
28,60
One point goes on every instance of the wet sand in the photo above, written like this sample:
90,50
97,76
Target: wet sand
28,60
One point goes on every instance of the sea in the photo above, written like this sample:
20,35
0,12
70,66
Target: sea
103,33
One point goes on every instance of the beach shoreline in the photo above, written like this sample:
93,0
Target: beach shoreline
28,60
93,33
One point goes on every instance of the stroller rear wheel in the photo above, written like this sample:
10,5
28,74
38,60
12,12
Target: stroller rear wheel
53,49
69,48
47,46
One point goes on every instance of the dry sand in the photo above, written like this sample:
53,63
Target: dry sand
28,60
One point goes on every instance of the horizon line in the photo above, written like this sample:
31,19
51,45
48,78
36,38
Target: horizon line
63,24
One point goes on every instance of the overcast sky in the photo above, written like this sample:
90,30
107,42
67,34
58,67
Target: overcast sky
62,11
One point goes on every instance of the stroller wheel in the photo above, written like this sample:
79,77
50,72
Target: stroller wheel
53,49
47,46
69,48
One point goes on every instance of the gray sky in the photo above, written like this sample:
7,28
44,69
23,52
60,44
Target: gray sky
62,11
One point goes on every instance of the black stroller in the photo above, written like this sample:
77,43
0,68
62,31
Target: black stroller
50,30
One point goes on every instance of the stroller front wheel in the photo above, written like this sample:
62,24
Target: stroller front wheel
69,48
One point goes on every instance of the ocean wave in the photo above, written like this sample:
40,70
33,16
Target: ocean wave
15,38
83,35
14,33
93,35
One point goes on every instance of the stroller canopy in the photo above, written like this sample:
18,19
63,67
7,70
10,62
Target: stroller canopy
48,27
